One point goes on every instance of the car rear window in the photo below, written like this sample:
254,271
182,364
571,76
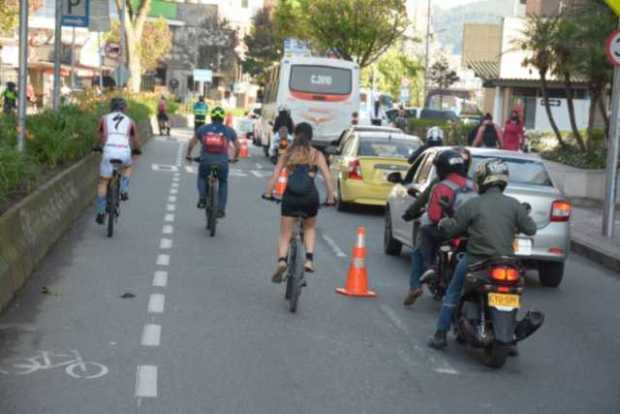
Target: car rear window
387,147
521,171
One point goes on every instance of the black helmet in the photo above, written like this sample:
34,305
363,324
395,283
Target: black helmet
117,104
466,155
304,130
492,173
448,162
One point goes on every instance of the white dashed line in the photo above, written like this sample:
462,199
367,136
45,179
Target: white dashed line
163,260
173,191
174,185
151,335
165,244
169,218
167,229
259,166
146,381
176,179
172,199
337,250
160,278
156,303
189,169
171,207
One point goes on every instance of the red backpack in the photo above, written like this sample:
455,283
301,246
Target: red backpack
215,143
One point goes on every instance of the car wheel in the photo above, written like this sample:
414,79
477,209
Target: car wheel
391,246
340,205
550,274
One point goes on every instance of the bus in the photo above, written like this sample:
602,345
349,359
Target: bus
321,91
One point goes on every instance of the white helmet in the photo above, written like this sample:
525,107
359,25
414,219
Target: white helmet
283,108
434,134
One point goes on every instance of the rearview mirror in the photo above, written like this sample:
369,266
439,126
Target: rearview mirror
413,192
395,177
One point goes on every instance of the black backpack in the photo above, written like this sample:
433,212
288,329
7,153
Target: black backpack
300,182
489,136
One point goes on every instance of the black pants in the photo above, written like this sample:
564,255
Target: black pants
430,239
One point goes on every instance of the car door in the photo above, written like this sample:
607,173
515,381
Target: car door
338,161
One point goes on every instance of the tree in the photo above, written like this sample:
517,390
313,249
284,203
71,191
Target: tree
391,69
9,13
133,22
538,39
358,30
263,48
155,43
442,76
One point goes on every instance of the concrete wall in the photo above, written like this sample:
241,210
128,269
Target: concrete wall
30,229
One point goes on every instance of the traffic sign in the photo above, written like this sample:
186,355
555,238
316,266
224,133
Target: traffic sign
612,48
615,5
75,13
203,75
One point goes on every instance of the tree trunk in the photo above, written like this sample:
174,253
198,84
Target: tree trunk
134,65
568,87
545,93
591,115
603,109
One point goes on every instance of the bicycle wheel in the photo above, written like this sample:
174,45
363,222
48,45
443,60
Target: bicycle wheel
290,272
111,206
297,269
211,207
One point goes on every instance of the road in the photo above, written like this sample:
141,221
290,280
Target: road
207,332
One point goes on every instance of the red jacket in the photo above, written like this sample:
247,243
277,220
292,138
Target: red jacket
513,134
435,210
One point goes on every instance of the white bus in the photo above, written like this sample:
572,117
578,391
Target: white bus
323,92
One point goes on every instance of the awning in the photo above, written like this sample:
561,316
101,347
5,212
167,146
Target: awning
485,70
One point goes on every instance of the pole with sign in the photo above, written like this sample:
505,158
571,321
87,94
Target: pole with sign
57,46
23,74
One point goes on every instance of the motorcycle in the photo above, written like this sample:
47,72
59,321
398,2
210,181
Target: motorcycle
448,255
486,316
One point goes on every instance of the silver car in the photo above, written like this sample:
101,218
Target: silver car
529,182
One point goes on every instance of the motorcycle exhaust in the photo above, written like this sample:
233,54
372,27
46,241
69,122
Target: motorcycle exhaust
529,324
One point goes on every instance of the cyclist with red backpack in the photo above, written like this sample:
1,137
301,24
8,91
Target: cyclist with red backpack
215,139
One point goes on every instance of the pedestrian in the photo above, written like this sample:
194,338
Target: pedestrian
283,119
513,133
377,115
9,99
355,118
471,137
489,134
401,119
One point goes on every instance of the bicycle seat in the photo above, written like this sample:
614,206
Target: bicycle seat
116,161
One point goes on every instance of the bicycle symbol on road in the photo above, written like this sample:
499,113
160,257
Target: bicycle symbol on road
74,365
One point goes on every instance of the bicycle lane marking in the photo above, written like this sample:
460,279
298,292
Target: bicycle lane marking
146,381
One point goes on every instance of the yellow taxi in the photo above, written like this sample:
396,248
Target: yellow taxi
362,158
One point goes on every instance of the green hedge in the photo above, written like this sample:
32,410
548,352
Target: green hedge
54,140
547,145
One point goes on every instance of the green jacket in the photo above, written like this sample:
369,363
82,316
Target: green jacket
491,221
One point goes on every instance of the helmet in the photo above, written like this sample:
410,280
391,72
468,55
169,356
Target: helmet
218,113
466,155
283,108
449,162
201,99
117,104
491,172
434,134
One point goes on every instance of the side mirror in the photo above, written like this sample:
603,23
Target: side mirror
332,150
271,123
395,177
413,192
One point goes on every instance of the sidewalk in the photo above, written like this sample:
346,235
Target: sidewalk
587,238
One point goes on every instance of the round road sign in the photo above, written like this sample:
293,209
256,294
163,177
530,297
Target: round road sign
613,48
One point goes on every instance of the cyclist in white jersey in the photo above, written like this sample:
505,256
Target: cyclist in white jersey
118,136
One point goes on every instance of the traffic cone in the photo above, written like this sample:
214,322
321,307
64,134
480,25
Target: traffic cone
244,151
278,192
357,279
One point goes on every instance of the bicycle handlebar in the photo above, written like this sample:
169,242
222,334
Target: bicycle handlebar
278,201
198,159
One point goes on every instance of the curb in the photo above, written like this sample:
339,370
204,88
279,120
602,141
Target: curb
590,248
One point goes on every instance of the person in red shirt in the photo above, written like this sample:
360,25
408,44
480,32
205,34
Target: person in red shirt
513,133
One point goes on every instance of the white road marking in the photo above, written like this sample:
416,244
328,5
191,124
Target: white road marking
151,335
146,381
393,317
190,169
172,199
256,174
174,191
163,260
160,278
156,303
164,167
169,218
179,154
167,229
337,250
259,166
165,244
171,207
176,179
174,185
449,370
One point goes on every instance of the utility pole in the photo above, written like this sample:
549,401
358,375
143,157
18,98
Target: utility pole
73,85
121,59
23,73
427,54
57,46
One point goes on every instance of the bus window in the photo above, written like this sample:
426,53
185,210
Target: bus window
321,80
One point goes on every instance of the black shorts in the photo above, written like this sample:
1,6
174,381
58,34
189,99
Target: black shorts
295,206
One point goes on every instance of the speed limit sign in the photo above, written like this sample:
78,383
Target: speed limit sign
613,48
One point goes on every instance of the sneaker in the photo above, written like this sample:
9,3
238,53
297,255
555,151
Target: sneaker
124,196
202,203
100,219
413,295
439,340
428,275
309,266
221,214
280,270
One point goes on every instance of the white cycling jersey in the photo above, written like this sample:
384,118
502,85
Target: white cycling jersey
117,130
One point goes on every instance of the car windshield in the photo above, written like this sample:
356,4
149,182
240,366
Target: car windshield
521,171
387,147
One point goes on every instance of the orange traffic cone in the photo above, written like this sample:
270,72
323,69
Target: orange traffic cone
278,192
357,279
244,151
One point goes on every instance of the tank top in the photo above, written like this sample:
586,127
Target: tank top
117,127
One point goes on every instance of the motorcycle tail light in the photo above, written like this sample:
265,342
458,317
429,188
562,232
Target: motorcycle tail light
560,210
456,243
505,274
355,170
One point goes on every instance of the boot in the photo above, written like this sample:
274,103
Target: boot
413,295
439,340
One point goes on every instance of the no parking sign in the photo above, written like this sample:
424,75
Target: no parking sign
613,48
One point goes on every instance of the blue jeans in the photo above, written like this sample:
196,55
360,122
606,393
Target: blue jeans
417,268
453,294
203,183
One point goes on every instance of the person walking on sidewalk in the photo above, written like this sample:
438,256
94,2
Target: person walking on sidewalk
513,133
9,97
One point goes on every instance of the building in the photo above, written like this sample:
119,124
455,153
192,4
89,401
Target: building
548,7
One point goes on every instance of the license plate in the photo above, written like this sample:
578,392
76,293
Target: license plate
522,246
503,300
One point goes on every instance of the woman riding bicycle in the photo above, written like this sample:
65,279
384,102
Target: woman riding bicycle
301,197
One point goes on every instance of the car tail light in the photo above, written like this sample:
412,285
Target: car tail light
355,170
505,274
560,210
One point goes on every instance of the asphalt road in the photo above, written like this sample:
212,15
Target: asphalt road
207,332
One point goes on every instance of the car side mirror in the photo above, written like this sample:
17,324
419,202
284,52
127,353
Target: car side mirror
331,150
413,192
271,123
395,177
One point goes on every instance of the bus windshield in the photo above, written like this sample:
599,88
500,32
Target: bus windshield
321,80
